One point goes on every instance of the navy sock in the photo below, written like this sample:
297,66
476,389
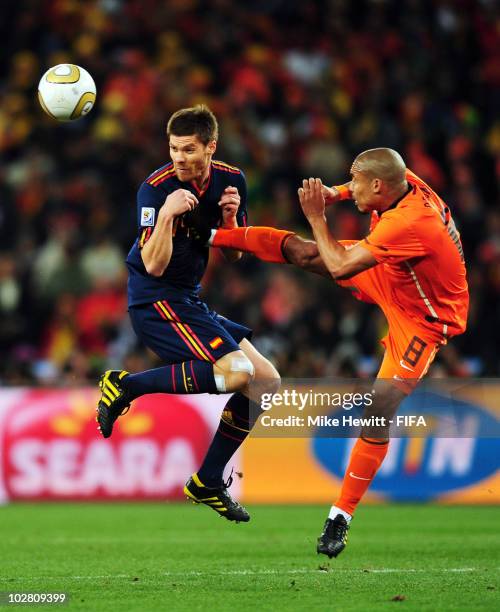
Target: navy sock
186,377
238,418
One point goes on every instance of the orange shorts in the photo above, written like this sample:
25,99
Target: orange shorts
409,348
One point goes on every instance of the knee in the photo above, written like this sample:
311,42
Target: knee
275,383
379,415
300,252
386,399
235,372
237,381
267,379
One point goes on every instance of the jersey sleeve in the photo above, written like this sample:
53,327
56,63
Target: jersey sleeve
242,214
149,201
393,240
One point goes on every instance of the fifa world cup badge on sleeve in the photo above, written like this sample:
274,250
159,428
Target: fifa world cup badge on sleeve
147,217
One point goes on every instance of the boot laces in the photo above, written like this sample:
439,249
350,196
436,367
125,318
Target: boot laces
337,530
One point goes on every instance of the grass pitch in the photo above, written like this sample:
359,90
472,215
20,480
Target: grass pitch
183,557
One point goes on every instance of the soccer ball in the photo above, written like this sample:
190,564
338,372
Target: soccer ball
66,92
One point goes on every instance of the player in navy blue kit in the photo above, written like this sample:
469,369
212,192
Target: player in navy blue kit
203,352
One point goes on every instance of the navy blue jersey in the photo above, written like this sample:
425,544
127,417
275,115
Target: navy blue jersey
189,257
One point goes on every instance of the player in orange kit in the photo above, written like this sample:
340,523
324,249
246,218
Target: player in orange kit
411,265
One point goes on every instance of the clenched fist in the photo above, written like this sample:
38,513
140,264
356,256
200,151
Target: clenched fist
229,202
179,202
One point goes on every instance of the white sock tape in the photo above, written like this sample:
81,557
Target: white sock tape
242,364
220,383
212,234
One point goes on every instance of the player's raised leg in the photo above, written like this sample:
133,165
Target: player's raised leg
266,243
273,246
231,373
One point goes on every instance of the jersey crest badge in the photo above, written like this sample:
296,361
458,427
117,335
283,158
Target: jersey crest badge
147,217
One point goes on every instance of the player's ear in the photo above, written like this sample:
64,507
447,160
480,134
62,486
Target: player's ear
377,185
212,145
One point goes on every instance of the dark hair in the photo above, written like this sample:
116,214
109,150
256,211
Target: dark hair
197,120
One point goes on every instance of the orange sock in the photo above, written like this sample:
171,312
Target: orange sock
264,242
366,457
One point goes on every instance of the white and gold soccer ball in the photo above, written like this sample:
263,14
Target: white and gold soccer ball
66,92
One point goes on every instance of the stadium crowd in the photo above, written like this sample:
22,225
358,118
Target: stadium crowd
299,89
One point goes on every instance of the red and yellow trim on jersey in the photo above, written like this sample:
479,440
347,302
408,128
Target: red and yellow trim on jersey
225,167
184,331
161,175
161,170
145,236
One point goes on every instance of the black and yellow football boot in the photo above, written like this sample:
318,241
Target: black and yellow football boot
216,498
114,400
334,537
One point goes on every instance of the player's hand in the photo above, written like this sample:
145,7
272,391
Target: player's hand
312,199
179,202
230,202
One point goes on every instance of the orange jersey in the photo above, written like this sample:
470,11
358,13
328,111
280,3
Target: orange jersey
419,247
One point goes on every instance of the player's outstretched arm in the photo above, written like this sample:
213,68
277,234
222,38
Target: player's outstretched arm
157,251
341,263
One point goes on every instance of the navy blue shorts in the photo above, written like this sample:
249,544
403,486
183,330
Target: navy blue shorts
183,328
